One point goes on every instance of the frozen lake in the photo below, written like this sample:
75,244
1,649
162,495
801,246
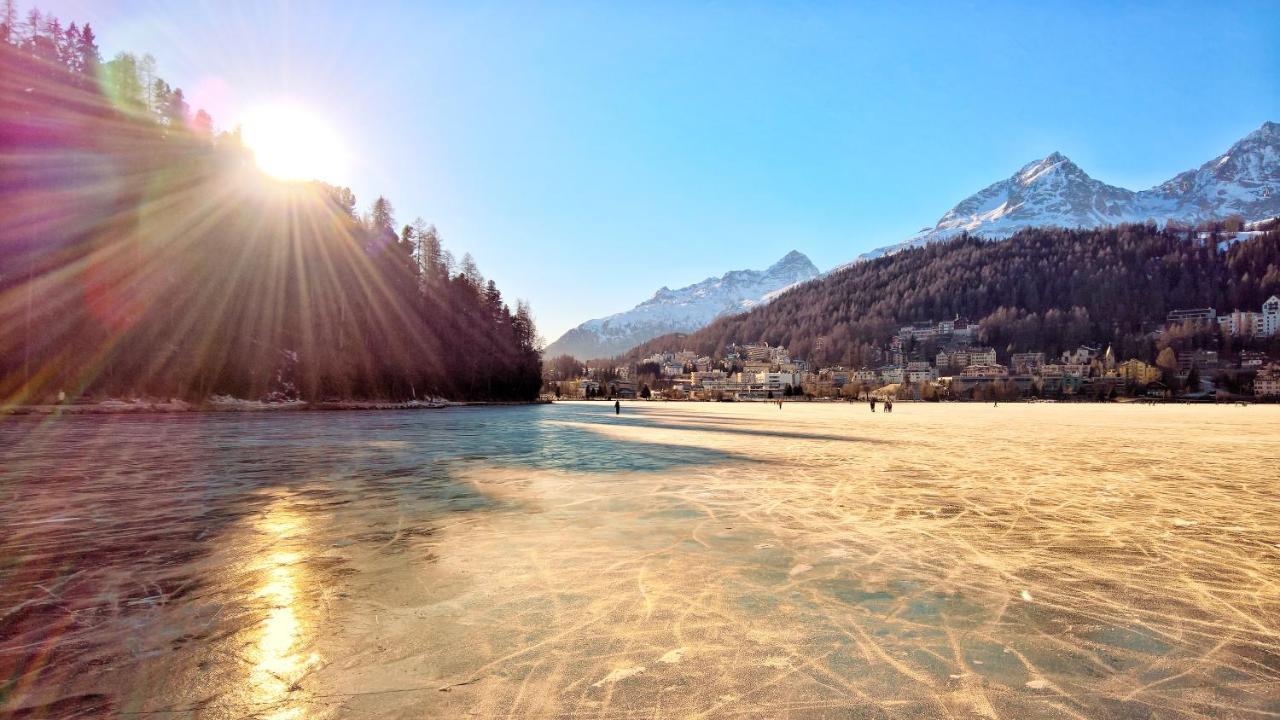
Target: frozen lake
708,560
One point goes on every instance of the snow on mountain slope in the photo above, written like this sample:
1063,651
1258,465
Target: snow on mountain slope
1244,181
683,310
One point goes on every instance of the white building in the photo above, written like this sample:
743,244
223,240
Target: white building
865,375
1271,317
890,374
1247,322
924,374
779,380
1241,322
918,331
671,369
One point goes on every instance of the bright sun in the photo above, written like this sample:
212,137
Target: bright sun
292,143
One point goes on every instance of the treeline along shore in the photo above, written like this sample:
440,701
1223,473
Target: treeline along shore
143,254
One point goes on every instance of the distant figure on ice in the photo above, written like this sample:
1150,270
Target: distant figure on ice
873,404
779,404
617,407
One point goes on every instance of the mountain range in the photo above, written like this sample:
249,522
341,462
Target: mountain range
1053,191
684,310
1050,192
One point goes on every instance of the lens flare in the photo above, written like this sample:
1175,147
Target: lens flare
290,142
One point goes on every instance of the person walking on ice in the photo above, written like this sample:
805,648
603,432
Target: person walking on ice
617,407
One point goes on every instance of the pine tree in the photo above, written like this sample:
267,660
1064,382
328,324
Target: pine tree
9,22
176,109
431,254
71,48
35,21
88,58
382,216
157,96
471,272
493,301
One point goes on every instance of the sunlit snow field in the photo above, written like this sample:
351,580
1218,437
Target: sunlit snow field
681,560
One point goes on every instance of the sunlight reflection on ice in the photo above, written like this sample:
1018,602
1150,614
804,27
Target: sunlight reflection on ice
278,664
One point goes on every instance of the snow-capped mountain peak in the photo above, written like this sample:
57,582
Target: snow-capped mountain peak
1054,191
683,310
1037,169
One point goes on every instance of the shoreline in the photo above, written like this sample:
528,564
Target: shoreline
232,405
181,407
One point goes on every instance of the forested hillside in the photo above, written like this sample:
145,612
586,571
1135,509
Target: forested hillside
140,253
1041,290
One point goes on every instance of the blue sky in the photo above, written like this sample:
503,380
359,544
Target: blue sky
588,153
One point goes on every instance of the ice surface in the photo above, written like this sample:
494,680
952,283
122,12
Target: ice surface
709,560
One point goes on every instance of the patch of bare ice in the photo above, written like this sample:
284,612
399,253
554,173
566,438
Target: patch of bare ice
672,657
619,675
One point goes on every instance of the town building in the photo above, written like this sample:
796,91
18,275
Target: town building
919,375
1241,323
1200,359
985,370
1027,363
1138,372
865,375
918,331
1064,370
1267,382
1195,315
1271,317
779,380
1082,355
962,357
1252,360
835,375
891,374
957,329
